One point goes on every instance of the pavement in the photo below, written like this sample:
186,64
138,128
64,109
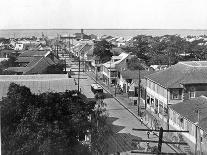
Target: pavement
122,116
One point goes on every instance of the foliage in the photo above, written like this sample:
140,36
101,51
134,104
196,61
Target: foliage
48,123
10,62
100,130
7,63
167,49
102,50
136,64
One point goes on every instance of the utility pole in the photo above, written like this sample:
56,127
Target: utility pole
139,95
79,74
197,151
160,142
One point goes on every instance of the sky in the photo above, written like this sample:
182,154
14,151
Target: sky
103,14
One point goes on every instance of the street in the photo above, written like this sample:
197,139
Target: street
121,120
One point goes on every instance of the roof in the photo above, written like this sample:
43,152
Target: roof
189,72
34,53
36,66
17,69
111,64
134,74
96,86
85,48
117,50
40,66
24,59
188,107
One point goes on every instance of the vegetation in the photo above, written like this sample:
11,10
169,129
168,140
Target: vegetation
102,50
167,50
7,63
49,123
100,130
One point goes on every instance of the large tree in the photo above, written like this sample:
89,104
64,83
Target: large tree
102,50
49,123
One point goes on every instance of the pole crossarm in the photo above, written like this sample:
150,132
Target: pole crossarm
162,153
76,68
159,130
78,61
153,141
80,78
78,71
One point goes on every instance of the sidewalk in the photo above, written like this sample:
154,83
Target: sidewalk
125,102
123,99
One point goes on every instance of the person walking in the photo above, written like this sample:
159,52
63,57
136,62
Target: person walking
148,148
148,134
141,120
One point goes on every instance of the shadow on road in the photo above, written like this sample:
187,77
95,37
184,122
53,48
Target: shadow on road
119,142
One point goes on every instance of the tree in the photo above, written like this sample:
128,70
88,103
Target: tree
100,130
10,62
102,50
140,47
49,123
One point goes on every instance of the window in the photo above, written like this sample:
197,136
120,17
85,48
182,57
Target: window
192,92
175,94
174,117
148,99
152,102
160,107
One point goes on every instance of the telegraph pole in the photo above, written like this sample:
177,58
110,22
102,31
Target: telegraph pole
139,95
160,142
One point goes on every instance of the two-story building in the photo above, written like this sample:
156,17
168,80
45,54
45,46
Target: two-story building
190,115
178,83
108,69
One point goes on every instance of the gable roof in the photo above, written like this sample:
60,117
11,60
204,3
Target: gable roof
134,74
189,72
24,59
117,50
111,64
188,107
34,53
36,66
85,48
40,66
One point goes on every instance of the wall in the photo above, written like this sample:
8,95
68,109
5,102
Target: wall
200,89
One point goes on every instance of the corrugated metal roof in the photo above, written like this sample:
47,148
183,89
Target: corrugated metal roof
187,109
181,73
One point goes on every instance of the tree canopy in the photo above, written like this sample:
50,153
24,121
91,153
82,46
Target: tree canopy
167,49
102,50
49,123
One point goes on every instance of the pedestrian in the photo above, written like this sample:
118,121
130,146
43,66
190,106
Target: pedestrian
148,148
141,120
138,145
148,134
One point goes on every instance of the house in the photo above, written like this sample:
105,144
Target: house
5,53
178,83
19,46
109,71
34,62
190,115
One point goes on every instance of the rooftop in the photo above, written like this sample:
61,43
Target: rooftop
188,108
189,72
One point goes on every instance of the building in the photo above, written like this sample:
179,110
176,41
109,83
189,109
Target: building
190,115
34,62
178,83
108,69
19,46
